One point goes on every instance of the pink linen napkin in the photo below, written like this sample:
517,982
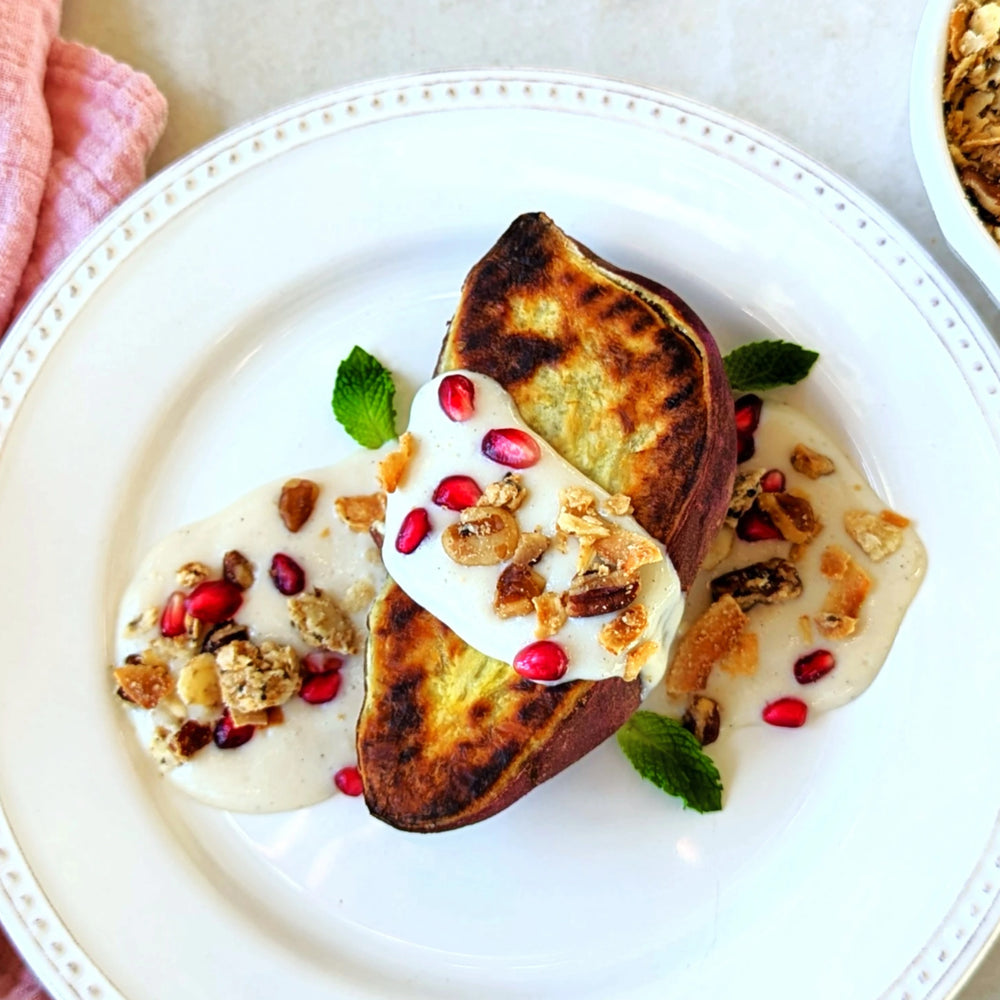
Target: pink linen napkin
76,130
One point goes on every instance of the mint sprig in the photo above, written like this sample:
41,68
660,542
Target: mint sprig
665,753
363,399
767,364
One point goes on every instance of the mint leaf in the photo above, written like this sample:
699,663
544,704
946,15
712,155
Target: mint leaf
665,753
362,399
766,364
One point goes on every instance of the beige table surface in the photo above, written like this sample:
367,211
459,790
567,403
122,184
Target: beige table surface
831,76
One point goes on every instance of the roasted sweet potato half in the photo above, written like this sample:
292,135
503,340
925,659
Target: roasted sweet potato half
623,379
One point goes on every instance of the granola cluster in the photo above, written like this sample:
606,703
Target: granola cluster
972,104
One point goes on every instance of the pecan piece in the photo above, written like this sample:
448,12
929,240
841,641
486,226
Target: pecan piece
759,583
517,586
218,635
237,569
596,593
702,719
550,612
296,503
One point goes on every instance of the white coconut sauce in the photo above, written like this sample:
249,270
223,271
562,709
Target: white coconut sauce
895,581
462,596
291,764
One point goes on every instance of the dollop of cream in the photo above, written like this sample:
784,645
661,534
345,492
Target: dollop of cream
462,596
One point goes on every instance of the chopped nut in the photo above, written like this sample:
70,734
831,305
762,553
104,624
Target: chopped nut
811,463
392,468
296,503
625,630
198,682
767,582
192,573
359,595
711,636
582,526
576,500
746,489
619,505
360,513
877,535
599,593
237,569
627,551
195,628
190,738
702,719
321,621
142,623
805,628
551,614
517,586
482,536
145,682
531,546
508,493
218,635
252,678
743,657
637,658
791,514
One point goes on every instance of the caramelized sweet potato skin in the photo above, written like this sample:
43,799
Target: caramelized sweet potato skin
623,379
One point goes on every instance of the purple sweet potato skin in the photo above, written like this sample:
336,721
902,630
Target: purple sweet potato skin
620,376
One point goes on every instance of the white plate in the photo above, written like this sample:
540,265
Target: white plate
186,353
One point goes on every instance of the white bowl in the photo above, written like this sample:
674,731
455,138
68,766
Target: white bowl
958,220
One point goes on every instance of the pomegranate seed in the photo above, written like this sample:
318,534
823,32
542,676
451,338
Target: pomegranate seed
512,447
348,780
457,492
321,661
755,526
789,713
773,481
214,601
457,396
541,661
174,613
228,736
811,667
287,575
748,413
413,530
318,689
